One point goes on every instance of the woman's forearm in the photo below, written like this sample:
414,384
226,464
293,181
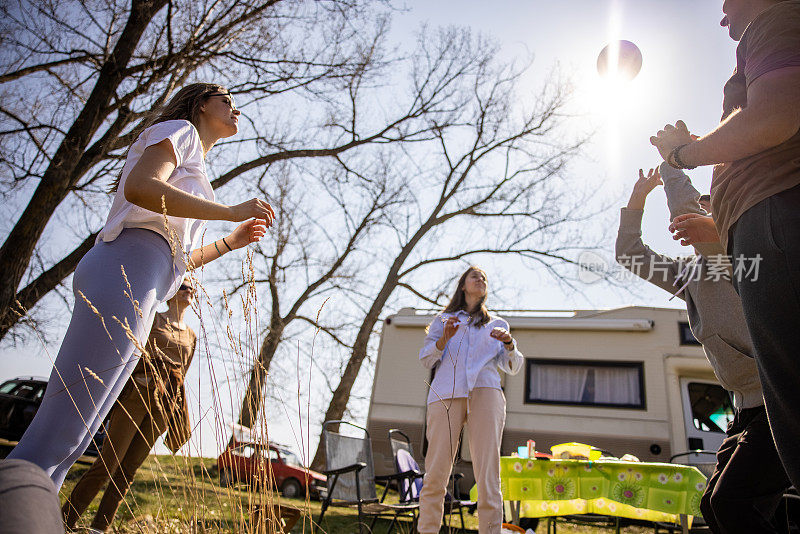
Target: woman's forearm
155,195
208,253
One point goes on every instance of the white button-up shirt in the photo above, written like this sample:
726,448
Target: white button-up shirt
471,359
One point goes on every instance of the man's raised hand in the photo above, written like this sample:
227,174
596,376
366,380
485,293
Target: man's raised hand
670,137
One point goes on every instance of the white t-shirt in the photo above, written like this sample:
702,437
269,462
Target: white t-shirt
189,175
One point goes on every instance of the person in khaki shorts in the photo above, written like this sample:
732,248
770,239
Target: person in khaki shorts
468,347
152,402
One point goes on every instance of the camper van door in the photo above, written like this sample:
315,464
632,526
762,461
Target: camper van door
707,410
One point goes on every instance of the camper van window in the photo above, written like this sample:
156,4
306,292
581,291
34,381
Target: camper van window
687,338
580,382
711,407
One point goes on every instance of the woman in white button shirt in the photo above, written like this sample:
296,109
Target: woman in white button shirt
150,238
468,347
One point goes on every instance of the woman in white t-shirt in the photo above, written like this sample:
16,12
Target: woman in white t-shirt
150,239
468,347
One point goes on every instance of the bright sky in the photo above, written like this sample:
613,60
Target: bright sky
687,57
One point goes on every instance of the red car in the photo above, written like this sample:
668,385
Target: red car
255,463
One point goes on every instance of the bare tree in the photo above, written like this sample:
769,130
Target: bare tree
79,77
366,191
308,253
492,184
316,82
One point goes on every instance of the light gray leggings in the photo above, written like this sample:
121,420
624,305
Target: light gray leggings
96,357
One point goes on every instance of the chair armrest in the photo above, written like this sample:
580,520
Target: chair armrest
399,476
354,467
689,453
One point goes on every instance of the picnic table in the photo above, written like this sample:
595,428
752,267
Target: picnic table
636,490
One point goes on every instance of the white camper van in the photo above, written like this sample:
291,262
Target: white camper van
628,380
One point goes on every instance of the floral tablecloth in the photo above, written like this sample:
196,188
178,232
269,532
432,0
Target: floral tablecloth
636,490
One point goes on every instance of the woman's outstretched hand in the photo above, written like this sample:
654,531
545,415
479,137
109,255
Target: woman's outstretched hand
501,334
450,328
692,228
248,232
255,208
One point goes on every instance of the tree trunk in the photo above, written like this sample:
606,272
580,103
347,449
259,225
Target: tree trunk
254,395
43,284
58,179
341,396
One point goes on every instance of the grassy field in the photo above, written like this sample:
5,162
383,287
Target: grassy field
177,495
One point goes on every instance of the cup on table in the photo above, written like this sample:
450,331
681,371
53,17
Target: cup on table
522,451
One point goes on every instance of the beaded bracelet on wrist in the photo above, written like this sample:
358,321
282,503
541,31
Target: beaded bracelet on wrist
674,158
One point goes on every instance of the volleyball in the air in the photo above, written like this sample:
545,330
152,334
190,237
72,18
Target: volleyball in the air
621,59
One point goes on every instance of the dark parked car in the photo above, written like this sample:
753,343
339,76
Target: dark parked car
19,401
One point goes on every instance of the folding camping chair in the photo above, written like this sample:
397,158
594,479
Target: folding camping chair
410,477
351,478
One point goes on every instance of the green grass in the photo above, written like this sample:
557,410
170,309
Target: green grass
177,495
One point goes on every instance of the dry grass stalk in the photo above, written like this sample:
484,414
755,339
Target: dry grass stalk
201,508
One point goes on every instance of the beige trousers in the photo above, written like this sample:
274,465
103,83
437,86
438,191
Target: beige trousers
486,418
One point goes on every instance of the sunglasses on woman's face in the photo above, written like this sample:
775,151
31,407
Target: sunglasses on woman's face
227,95
184,287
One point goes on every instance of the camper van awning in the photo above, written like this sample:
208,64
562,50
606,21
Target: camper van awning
544,323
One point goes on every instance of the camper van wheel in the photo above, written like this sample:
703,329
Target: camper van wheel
225,479
291,489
